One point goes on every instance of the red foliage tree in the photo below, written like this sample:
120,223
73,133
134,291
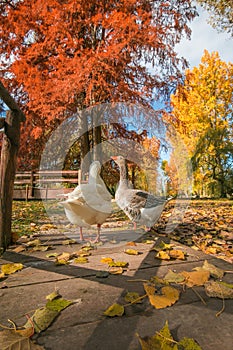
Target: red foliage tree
62,55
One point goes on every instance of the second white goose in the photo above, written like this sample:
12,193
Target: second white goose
141,207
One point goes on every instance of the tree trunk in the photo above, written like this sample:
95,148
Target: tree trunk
10,146
84,145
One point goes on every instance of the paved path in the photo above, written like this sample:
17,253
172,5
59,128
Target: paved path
82,326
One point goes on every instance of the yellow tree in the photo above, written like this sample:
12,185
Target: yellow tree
203,115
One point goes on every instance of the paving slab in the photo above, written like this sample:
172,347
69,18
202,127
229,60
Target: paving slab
83,326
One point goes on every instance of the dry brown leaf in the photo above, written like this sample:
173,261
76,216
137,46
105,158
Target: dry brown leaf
196,278
10,340
19,249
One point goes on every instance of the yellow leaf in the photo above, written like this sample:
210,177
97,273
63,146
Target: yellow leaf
114,270
69,241
64,257
8,269
196,278
53,295
149,289
131,243
115,310
33,243
163,255
131,251
118,264
169,296
2,276
81,260
177,254
106,260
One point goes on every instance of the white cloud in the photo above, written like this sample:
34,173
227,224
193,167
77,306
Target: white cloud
205,37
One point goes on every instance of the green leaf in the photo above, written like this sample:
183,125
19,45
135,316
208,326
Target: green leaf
173,277
131,297
114,310
188,344
58,304
42,318
53,295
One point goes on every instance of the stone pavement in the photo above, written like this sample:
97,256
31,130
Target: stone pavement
82,326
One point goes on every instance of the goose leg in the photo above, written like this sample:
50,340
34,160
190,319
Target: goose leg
81,233
97,240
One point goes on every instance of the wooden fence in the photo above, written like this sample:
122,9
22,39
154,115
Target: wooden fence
44,184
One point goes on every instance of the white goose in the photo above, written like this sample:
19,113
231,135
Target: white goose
141,207
89,204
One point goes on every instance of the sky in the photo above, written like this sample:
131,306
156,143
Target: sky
205,37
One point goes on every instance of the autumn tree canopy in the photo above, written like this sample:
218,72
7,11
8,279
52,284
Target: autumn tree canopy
203,115
62,55
221,12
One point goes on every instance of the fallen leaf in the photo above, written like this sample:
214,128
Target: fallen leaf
114,310
19,249
8,269
220,290
131,243
214,271
163,246
149,288
69,241
33,243
169,296
106,260
42,248
58,304
47,227
64,257
81,260
132,297
131,251
53,295
10,340
51,255
41,319
188,344
118,264
196,278
114,270
2,276
173,277
163,255
177,254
